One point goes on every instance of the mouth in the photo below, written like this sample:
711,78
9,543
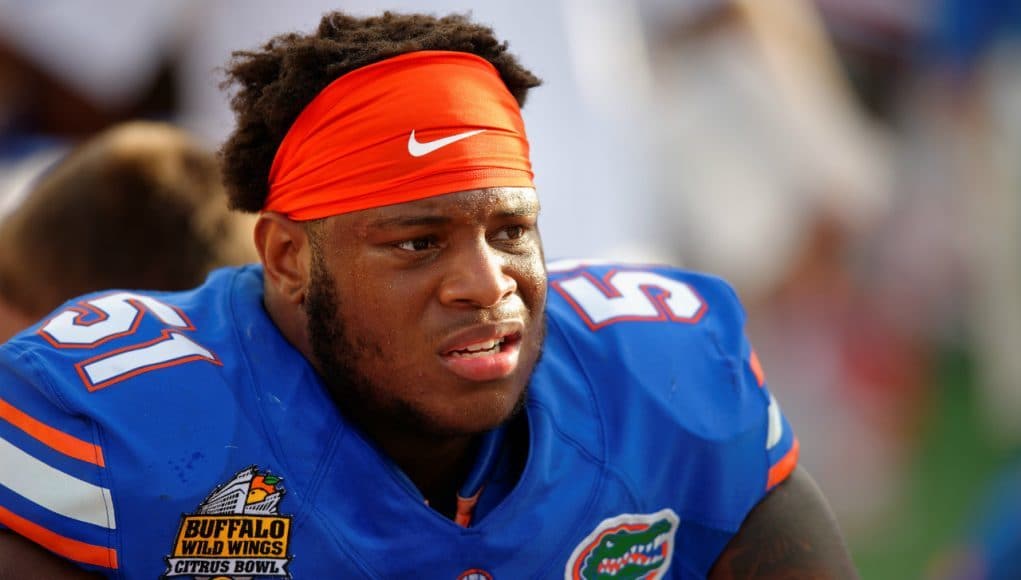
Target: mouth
484,358
485,347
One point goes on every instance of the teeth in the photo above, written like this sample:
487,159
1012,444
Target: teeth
482,346
478,349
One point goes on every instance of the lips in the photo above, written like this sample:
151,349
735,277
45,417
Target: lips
483,353
479,349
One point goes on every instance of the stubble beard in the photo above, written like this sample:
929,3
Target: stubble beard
357,395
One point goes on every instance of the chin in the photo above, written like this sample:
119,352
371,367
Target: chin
483,413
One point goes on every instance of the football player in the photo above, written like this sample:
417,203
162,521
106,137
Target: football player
402,387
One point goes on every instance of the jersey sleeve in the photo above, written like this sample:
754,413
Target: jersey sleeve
725,325
781,444
54,480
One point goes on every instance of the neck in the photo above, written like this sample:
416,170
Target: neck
436,465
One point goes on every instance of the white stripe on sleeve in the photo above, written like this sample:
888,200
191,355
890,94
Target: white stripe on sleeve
53,489
775,431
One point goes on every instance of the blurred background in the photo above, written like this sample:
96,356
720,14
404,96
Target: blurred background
853,167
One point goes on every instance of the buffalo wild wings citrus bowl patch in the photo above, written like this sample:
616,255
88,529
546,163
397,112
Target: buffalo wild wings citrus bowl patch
633,546
236,532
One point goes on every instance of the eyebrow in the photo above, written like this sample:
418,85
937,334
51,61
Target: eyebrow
525,210
409,221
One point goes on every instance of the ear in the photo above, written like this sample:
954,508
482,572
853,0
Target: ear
285,252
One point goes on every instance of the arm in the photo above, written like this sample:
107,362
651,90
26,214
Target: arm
20,558
790,534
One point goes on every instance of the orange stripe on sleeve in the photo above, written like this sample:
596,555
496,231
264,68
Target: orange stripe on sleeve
55,439
61,545
784,467
753,361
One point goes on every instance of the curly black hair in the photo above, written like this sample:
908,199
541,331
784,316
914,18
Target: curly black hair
274,84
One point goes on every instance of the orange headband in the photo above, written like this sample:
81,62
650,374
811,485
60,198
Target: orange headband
414,126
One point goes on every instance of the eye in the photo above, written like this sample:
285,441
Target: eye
510,233
417,244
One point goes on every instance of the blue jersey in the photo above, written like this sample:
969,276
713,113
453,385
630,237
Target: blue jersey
180,435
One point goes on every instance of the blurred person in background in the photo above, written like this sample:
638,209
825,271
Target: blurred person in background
943,78
772,177
140,205
852,166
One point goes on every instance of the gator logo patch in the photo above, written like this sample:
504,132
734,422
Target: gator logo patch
236,532
631,546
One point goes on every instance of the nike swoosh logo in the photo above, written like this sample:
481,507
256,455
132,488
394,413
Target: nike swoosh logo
417,149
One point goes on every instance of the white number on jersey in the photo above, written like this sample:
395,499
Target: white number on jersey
628,295
105,318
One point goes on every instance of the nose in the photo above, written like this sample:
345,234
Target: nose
477,278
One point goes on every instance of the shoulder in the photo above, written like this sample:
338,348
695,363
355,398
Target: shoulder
605,293
103,338
104,356
673,336
674,382
601,304
88,397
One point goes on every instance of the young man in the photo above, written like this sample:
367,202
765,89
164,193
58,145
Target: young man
139,205
370,402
